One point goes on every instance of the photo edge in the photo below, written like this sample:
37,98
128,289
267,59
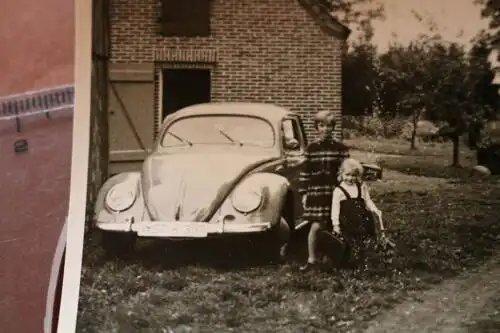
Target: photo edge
75,222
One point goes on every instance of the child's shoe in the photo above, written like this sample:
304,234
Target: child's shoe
309,266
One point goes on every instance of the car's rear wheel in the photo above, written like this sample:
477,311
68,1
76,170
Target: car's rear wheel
118,244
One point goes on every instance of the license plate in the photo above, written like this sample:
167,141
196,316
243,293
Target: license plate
173,229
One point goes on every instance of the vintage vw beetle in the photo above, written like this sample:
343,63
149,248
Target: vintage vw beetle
217,169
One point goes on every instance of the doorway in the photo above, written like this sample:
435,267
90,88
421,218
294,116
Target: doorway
184,87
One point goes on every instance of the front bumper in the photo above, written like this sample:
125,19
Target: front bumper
184,229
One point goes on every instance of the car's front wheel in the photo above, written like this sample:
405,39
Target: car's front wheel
270,247
118,244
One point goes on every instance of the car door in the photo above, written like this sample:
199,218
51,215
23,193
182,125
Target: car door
294,158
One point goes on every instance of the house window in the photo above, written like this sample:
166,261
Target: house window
185,18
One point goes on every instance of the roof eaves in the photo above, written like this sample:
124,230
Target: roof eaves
342,29
326,18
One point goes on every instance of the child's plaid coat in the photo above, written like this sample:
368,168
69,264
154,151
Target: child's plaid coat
319,177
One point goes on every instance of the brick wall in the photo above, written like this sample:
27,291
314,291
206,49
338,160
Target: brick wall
263,51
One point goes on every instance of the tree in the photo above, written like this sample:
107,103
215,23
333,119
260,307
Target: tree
439,80
404,73
491,11
386,86
485,93
357,65
357,77
402,80
462,97
452,101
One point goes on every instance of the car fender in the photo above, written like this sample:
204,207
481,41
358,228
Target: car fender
278,188
99,205
274,188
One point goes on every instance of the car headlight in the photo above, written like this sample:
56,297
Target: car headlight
121,196
246,200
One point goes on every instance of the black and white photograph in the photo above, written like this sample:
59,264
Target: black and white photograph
292,166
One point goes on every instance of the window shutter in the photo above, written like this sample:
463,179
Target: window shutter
186,18
173,17
199,18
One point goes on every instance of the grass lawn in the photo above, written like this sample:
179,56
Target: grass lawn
402,147
443,228
428,160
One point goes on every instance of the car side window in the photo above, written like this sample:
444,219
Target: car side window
302,132
292,138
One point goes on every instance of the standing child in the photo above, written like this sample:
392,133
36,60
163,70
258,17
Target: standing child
353,211
318,179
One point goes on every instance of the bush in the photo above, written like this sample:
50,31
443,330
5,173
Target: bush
373,126
427,131
395,128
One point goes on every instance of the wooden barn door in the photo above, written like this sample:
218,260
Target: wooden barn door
131,116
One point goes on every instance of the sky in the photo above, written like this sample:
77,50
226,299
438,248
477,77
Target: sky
456,20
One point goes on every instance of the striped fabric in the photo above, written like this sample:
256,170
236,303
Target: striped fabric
319,177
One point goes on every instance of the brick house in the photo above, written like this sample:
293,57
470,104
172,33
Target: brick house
166,54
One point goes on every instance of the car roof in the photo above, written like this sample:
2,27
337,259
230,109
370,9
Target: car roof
271,112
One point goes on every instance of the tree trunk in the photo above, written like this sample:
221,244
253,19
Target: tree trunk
456,150
414,131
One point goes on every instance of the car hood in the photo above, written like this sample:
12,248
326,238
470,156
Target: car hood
190,187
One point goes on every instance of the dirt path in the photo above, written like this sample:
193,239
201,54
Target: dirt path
449,308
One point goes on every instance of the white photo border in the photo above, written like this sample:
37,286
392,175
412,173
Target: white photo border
79,167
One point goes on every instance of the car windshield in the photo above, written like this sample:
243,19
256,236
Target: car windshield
208,129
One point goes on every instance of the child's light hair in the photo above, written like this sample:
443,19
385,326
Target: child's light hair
350,166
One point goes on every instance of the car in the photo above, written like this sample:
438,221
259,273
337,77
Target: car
216,170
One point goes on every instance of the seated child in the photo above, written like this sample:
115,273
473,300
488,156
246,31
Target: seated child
353,212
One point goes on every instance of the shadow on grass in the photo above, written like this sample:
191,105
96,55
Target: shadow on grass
221,254
444,249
